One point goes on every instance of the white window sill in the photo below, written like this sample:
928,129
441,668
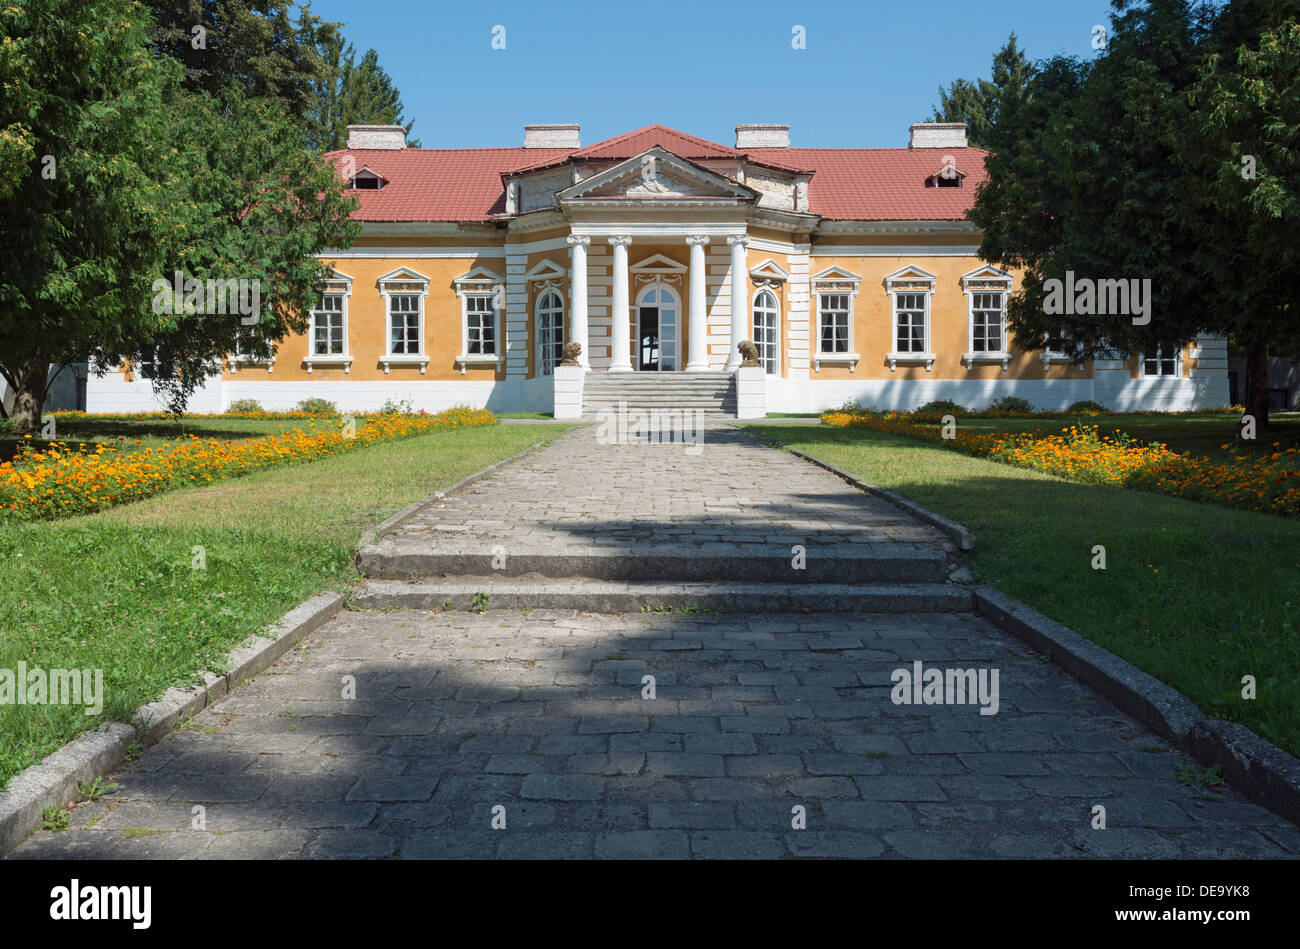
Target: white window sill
913,358
477,359
836,359
404,359
236,362
327,362
1059,359
972,358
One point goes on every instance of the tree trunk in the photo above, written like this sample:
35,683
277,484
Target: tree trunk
29,397
1257,385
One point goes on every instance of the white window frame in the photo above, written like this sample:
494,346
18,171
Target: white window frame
1178,363
911,280
547,289
772,290
480,282
403,282
1071,355
986,280
337,285
238,359
834,280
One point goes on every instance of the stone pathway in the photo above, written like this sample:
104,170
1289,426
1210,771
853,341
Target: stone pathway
728,488
540,717
542,714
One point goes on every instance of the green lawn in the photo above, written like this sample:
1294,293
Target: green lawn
1198,596
1200,434
117,591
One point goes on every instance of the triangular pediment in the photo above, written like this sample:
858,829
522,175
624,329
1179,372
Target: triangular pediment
656,174
403,274
477,275
986,276
910,275
546,270
658,263
769,270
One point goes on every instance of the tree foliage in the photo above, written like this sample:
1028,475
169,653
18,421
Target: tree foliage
354,93
1129,165
975,101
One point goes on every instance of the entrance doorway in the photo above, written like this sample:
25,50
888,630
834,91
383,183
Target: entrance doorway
656,336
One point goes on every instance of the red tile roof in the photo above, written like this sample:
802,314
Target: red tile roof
869,184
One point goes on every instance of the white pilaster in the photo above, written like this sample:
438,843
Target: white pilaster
578,306
620,358
739,298
697,325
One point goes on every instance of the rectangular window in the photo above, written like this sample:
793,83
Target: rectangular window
404,324
833,322
327,326
480,325
1162,361
910,334
987,323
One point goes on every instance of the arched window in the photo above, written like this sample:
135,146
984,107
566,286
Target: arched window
550,331
766,333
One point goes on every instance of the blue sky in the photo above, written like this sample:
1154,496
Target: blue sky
869,69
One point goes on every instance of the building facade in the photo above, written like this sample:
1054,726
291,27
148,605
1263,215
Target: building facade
853,271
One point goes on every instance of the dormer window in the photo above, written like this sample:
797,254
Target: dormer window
948,175
367,180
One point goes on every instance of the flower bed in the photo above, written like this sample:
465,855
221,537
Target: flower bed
58,482
1080,453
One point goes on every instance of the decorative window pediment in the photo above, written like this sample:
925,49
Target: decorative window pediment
657,269
403,279
988,278
769,272
911,278
836,278
547,270
335,281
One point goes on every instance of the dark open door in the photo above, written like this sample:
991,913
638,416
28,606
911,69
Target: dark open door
648,344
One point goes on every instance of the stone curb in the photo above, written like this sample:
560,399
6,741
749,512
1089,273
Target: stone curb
53,781
1262,771
1258,769
958,532
1134,692
372,535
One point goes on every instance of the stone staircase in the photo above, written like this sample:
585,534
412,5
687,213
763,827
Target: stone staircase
713,393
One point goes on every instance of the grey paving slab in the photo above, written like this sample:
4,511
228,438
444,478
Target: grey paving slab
712,768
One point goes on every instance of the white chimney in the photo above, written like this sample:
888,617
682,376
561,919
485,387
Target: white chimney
762,135
376,136
551,136
937,135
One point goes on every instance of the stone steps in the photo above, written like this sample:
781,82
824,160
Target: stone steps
710,392
607,596
401,558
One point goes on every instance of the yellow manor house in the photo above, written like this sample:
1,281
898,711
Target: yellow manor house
852,270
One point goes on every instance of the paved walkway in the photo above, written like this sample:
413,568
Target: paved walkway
543,714
580,493
541,717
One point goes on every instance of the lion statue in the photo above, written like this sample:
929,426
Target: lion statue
748,353
571,353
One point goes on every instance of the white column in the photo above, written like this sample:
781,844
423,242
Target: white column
739,298
578,283
620,360
697,319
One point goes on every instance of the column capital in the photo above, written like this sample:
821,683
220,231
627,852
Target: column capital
582,239
623,239
699,239
741,239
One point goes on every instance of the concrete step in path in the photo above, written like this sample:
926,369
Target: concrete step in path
611,596
402,558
